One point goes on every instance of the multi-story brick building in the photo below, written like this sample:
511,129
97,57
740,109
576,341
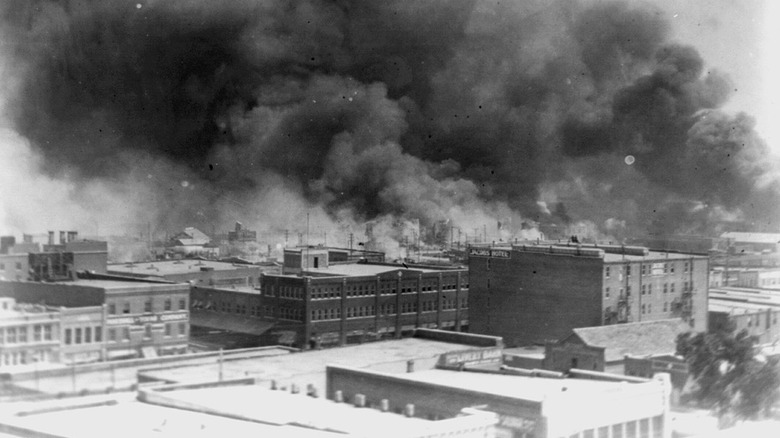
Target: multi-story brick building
538,293
342,302
124,318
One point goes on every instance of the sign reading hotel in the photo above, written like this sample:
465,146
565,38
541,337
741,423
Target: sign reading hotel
495,253
147,319
471,357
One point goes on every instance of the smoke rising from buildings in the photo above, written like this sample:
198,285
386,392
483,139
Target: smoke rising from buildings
174,112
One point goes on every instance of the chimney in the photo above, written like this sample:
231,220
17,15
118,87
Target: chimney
360,401
27,238
51,237
72,236
63,237
6,243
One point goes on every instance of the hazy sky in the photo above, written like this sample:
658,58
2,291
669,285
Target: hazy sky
736,37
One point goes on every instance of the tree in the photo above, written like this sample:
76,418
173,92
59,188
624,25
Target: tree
731,378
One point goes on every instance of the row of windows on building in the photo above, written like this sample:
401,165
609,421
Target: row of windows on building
648,269
148,306
647,289
83,335
18,266
122,334
26,334
25,357
362,290
385,309
756,320
644,428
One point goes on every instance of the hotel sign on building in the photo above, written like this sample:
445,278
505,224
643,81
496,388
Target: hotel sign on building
493,253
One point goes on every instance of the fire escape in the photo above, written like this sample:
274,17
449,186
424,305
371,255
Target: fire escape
624,299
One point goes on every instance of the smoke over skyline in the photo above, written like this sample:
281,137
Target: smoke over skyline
192,113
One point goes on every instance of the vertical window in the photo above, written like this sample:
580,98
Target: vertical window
98,334
126,333
22,335
167,330
666,287
148,306
671,288
182,329
111,335
126,307
628,270
685,267
182,304
37,333
665,306
78,335
47,333
112,309
671,267
606,272
87,335
488,263
68,337
18,266
167,304
643,309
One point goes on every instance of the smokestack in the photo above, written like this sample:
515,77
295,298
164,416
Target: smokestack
63,238
51,237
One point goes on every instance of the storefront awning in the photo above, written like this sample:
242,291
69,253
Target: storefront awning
231,323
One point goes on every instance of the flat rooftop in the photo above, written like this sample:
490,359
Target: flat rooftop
613,256
122,416
308,367
736,307
283,407
767,298
173,267
365,269
520,387
534,351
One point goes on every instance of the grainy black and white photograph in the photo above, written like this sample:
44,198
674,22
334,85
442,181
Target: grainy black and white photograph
389,218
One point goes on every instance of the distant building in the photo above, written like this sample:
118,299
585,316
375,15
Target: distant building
537,293
192,241
605,348
752,242
241,235
196,272
52,260
753,310
105,319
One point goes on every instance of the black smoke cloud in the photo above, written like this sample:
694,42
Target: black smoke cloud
467,111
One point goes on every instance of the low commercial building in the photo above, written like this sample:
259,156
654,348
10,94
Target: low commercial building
755,310
605,348
537,293
105,319
35,334
237,409
195,272
527,407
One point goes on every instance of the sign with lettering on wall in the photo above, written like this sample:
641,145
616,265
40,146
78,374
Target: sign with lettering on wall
494,253
485,356
147,319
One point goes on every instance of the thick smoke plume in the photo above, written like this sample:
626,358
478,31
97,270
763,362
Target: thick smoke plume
467,113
